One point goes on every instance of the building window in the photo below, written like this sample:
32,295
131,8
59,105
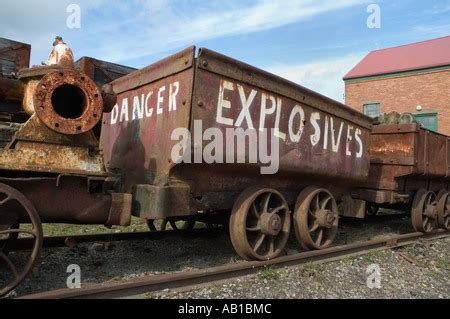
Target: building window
429,120
372,109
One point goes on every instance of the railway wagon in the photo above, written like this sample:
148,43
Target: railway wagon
51,168
193,136
410,169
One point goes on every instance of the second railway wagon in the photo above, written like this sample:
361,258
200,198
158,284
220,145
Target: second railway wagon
196,135
410,169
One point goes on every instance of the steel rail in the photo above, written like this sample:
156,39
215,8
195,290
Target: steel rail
60,241
139,286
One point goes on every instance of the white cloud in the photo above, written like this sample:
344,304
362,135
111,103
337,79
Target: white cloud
435,30
152,33
121,31
439,9
324,76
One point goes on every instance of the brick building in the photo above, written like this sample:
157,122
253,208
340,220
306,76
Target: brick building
410,78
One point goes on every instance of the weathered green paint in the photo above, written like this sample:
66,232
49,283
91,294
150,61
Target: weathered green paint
369,111
429,120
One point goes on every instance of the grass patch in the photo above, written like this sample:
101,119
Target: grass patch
137,225
347,259
443,263
438,275
268,273
310,270
372,255
215,292
148,296
368,258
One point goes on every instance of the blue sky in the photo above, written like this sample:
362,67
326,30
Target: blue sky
312,42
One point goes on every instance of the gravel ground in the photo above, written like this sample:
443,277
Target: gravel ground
418,271
103,262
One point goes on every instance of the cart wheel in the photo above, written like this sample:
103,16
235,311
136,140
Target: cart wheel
424,211
163,227
6,241
260,224
151,225
14,203
443,209
188,225
316,218
441,193
372,210
213,226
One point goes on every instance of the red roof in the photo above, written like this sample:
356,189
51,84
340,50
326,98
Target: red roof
414,56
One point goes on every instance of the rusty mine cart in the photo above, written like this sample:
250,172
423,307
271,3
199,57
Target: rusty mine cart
410,170
51,168
323,150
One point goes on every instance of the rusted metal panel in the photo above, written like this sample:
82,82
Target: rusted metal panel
7,131
11,90
157,71
328,139
423,151
102,72
34,131
158,202
230,68
434,153
72,201
395,145
448,157
38,157
14,56
136,135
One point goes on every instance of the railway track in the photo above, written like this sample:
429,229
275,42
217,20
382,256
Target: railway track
139,286
62,241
